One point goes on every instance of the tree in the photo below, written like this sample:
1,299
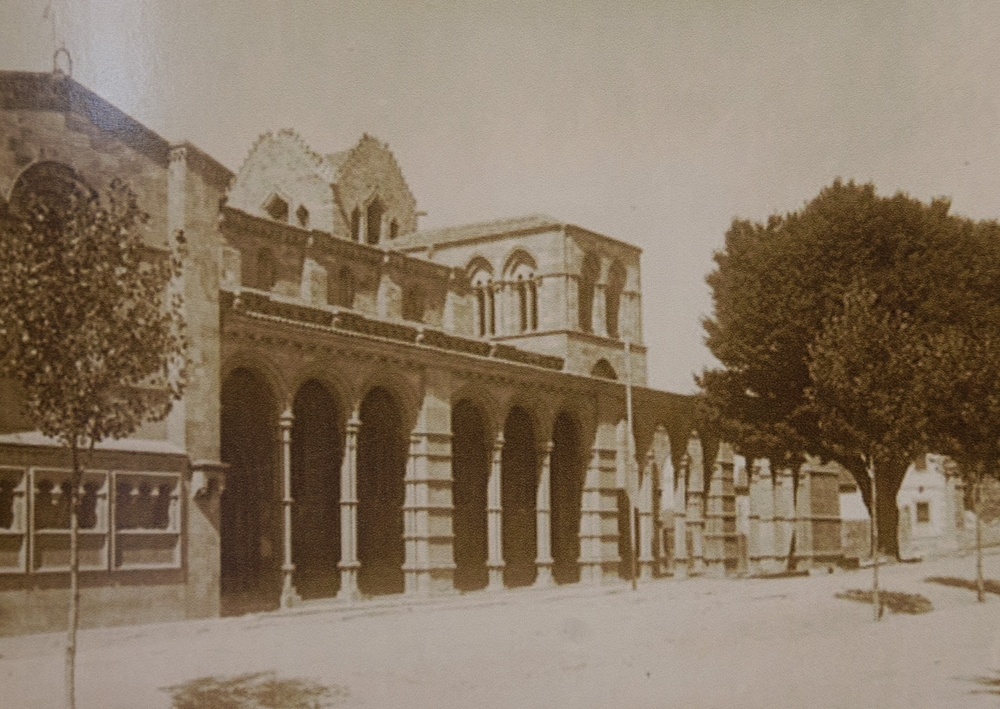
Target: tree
960,376
91,327
863,366
776,285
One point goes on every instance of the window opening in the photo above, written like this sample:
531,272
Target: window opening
356,224
302,215
374,221
393,229
277,208
267,269
923,512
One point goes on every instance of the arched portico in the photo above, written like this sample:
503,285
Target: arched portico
382,446
519,479
250,519
470,461
317,446
567,471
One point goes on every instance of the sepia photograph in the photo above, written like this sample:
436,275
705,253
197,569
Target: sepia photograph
505,354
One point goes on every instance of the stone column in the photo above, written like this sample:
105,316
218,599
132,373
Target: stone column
715,557
599,321
415,528
680,520
288,595
646,558
804,519
349,563
590,522
763,553
494,517
544,516
784,515
695,502
741,489
665,503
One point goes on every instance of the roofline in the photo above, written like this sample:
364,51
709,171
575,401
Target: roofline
46,91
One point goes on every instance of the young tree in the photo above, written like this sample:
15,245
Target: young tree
863,367
775,287
91,328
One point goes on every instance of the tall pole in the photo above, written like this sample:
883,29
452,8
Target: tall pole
630,481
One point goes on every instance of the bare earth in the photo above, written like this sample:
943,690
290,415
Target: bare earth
679,643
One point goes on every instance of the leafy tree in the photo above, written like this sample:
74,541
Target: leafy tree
960,375
864,365
90,328
776,285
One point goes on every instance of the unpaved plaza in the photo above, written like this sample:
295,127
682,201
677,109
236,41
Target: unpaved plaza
681,643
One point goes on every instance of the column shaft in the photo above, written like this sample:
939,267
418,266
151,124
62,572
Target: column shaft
494,517
349,563
288,595
544,516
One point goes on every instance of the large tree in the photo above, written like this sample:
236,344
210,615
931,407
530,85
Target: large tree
776,285
959,379
91,326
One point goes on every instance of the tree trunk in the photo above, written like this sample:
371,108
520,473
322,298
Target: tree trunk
74,574
977,496
890,479
875,545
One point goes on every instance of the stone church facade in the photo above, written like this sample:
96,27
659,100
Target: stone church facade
372,408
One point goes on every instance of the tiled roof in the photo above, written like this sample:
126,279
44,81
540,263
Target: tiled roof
478,230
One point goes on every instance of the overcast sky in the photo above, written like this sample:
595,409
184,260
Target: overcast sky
652,122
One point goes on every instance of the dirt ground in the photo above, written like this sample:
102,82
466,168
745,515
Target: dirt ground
675,642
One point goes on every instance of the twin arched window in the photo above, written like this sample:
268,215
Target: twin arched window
482,288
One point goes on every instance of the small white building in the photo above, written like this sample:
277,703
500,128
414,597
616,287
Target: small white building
931,508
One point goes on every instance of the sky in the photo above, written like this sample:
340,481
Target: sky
656,123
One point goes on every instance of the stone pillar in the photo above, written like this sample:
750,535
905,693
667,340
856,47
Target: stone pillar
288,595
590,522
646,559
416,566
804,519
715,550
599,321
741,489
784,515
349,563
763,555
695,502
680,524
665,506
494,517
544,516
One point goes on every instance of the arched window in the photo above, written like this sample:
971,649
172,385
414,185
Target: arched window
302,215
267,269
52,184
341,292
393,229
373,220
414,303
277,208
520,276
604,370
613,298
356,224
589,274
482,289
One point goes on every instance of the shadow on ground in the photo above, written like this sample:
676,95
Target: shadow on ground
895,601
990,685
254,690
989,585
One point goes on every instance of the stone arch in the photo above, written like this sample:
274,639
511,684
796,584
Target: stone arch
471,453
381,468
402,391
262,364
250,529
517,257
317,452
329,377
603,369
519,479
53,182
480,273
487,404
568,464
